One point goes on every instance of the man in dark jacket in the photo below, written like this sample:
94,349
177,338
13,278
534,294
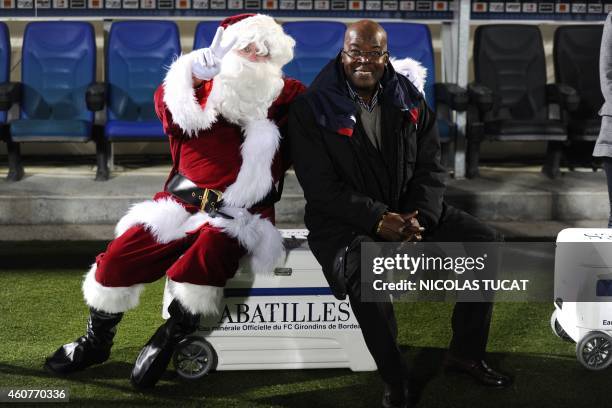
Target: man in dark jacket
366,152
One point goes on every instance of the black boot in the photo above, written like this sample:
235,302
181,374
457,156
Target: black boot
155,356
92,348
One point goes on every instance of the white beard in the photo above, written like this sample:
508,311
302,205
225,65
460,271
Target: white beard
244,91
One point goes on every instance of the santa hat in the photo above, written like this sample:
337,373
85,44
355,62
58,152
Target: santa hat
228,21
262,30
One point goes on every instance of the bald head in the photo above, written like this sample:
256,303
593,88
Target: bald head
368,30
364,56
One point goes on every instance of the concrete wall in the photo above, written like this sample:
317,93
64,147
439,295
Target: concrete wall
187,30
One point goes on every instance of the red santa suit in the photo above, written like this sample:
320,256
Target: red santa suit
165,236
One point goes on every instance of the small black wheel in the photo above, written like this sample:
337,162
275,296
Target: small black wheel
594,351
558,329
194,358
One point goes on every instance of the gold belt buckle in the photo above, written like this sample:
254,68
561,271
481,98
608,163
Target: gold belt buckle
205,198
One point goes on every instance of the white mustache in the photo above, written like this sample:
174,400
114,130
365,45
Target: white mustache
247,89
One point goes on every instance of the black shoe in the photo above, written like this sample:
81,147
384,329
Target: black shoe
479,370
92,348
155,356
396,396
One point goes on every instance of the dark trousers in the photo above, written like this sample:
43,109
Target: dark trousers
470,321
607,165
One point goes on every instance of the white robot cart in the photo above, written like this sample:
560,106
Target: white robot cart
286,320
583,271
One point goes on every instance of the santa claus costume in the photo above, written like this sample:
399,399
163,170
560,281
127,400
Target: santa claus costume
217,207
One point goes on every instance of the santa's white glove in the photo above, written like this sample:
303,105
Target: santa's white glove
206,62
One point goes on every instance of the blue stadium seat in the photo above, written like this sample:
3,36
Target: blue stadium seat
316,43
204,33
138,56
58,67
5,91
414,41
58,64
5,59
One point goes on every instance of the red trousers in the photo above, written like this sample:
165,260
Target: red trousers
206,256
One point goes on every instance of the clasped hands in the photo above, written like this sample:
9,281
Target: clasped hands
400,227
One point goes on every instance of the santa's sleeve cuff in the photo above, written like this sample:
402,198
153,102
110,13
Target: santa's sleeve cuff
180,98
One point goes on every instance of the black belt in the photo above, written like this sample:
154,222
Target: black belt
206,199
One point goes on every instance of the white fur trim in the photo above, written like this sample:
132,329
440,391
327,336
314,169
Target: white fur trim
412,69
254,181
180,98
167,220
261,239
160,218
109,299
197,299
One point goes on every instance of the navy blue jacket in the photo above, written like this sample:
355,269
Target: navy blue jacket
348,184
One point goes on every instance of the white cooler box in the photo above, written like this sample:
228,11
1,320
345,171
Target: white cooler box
585,269
286,320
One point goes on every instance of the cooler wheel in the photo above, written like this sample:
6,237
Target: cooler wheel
594,351
194,358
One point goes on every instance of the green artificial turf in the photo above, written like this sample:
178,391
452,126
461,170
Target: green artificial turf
41,310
